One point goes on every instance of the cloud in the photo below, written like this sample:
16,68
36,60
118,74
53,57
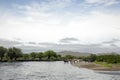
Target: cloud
31,43
113,45
95,27
46,5
28,49
112,41
9,43
47,22
18,39
105,2
47,43
89,48
69,40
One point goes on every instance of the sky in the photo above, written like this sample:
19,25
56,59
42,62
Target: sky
62,25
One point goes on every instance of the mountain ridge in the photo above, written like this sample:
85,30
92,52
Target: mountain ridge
63,53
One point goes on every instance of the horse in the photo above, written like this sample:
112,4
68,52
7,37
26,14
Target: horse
66,61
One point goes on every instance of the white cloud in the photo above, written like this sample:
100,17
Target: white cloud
38,24
51,27
69,40
48,5
105,2
95,27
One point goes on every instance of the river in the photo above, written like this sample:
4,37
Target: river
50,71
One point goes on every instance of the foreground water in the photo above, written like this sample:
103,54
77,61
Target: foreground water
50,71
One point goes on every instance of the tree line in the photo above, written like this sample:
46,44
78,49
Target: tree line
16,54
109,58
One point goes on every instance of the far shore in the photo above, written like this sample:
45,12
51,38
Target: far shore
98,67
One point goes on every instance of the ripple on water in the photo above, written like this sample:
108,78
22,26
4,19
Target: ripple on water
49,71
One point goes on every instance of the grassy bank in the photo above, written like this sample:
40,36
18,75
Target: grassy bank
99,66
104,64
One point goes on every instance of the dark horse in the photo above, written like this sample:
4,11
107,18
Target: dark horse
66,61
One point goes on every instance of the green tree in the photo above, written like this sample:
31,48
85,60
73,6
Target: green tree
33,55
2,52
50,54
26,56
59,57
92,57
40,55
14,53
69,57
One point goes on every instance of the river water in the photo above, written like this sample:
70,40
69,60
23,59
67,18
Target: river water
50,71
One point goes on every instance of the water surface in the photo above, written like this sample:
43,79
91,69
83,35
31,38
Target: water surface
50,71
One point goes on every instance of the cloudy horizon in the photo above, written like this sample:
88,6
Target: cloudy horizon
62,25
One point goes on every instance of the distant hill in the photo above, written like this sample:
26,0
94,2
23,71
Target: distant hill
63,53
107,53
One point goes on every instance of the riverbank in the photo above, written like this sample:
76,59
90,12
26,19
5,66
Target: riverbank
98,67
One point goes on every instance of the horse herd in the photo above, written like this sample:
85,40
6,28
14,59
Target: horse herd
73,61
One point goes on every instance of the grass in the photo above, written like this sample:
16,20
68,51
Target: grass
104,64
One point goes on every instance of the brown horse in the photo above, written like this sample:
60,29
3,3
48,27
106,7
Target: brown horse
66,61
